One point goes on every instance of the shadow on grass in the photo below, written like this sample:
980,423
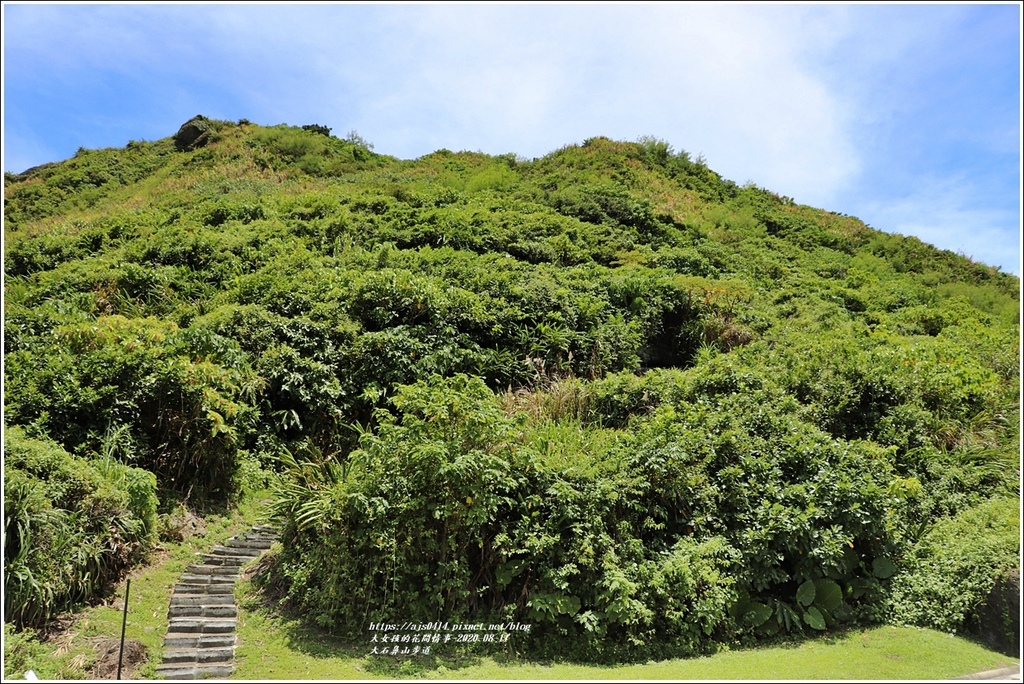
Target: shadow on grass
315,642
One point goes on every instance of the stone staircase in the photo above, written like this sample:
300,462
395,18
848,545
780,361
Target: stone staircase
200,641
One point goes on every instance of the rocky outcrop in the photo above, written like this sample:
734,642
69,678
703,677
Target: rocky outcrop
193,134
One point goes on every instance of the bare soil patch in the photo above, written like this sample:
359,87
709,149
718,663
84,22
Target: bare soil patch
107,654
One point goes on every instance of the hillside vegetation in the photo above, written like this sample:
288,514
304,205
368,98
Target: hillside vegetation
605,392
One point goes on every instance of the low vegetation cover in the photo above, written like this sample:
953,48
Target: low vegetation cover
605,392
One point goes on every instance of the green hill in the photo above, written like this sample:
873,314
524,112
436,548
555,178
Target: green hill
606,392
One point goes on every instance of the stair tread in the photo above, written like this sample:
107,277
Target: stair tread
199,641
202,599
202,616
172,671
199,655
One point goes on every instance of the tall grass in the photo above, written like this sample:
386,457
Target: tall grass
564,398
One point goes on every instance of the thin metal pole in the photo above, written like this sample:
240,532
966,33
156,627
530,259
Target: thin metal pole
124,622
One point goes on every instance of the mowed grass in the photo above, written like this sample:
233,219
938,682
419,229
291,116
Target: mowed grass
275,647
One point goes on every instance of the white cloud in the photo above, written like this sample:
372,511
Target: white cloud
943,212
726,82
755,109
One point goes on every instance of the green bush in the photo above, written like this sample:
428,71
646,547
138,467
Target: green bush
179,392
310,149
951,570
620,545
71,527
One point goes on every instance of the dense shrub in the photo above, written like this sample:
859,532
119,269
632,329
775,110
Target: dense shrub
951,570
641,545
310,149
721,415
179,394
71,526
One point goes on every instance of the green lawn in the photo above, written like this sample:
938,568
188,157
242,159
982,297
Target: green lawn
273,647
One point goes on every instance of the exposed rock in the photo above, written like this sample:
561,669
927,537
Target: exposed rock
193,134
180,524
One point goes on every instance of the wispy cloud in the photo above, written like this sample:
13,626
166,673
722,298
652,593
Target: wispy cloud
722,84
941,212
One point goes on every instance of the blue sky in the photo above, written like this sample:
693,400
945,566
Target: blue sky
906,116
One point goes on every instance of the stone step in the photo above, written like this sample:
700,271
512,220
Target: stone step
251,541
194,672
207,600
183,611
182,656
206,579
237,546
211,569
204,589
236,551
201,625
200,641
225,560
